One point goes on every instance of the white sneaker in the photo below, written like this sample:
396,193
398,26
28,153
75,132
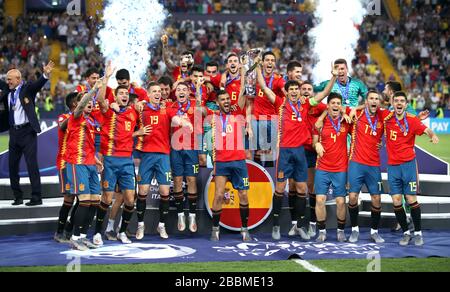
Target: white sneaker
192,223
181,222
97,240
293,231
140,232
122,237
162,232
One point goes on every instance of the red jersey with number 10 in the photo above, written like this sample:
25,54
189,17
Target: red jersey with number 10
335,158
117,132
62,142
80,145
400,148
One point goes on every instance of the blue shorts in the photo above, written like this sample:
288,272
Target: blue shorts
403,178
292,164
118,171
83,179
184,162
63,182
359,174
336,180
264,135
236,171
154,165
311,158
137,154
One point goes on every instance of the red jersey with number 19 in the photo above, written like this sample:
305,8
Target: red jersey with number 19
400,148
159,140
62,142
117,132
364,148
80,146
335,145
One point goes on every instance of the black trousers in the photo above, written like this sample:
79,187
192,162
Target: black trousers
24,142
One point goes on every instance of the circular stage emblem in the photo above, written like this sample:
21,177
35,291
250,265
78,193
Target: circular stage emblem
259,196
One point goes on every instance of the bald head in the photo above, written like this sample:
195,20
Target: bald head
13,78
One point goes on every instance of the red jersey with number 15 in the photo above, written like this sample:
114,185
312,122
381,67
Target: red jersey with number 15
117,132
335,158
80,145
62,142
400,148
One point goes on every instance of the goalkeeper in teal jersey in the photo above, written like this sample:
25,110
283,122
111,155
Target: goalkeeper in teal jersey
350,88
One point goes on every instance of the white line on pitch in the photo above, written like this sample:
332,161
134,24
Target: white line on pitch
307,265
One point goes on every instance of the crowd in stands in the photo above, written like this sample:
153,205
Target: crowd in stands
419,45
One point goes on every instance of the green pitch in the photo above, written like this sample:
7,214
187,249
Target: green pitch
387,265
441,150
4,142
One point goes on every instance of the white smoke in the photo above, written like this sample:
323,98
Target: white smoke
335,35
130,28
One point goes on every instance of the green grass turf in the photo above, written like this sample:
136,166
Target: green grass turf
4,142
356,265
442,150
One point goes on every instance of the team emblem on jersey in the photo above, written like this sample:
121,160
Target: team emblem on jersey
379,126
259,197
81,187
105,184
343,130
190,111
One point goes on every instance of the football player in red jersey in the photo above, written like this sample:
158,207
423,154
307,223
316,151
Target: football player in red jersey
71,103
82,174
155,150
294,134
264,123
401,130
212,81
181,72
331,146
123,79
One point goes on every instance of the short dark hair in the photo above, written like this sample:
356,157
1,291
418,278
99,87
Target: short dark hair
123,74
290,83
307,82
212,64
401,93
394,85
166,80
341,61
221,92
151,84
133,98
196,68
71,98
292,65
91,71
334,95
184,84
119,88
372,91
187,53
231,55
267,54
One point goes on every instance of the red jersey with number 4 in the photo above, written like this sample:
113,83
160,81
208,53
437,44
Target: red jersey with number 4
117,132
400,148
262,107
365,144
181,137
62,142
294,129
228,134
159,139
80,145
335,158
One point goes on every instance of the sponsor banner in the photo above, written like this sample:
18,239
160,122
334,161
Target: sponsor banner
440,126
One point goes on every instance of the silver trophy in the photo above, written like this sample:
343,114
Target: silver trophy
248,61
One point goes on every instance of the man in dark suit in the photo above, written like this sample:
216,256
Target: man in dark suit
19,116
